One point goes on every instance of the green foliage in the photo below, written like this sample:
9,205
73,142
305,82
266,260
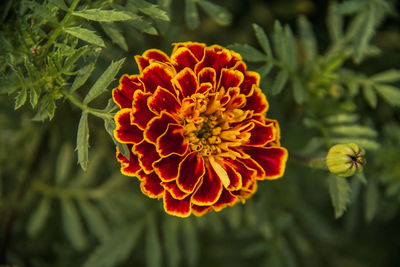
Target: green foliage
340,192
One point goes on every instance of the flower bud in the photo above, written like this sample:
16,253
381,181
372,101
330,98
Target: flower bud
345,159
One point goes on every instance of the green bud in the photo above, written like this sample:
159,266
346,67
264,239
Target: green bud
344,160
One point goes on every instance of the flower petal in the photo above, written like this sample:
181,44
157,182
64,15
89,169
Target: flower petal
186,82
261,134
183,58
128,167
167,168
207,75
125,132
200,210
215,57
163,100
191,170
147,154
196,48
172,141
157,74
141,114
149,56
180,208
123,94
209,190
174,190
230,78
254,166
157,126
271,159
151,186
250,78
256,101
226,199
234,177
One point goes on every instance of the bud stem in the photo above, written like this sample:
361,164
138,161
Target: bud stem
312,162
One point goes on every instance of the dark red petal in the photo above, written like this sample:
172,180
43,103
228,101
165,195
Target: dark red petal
151,186
234,176
123,94
247,175
200,210
191,170
250,78
196,48
271,159
174,190
226,199
167,168
124,131
210,189
261,134
155,54
157,126
163,100
256,101
240,66
142,62
141,114
186,82
147,154
230,78
215,57
207,75
129,167
183,58
172,141
155,75
253,165
180,208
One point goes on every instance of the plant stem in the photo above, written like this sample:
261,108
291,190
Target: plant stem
314,163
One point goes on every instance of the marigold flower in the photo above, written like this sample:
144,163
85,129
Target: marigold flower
345,160
196,128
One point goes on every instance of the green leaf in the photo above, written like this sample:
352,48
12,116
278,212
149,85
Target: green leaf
109,125
115,35
84,73
190,246
51,107
365,34
280,82
263,40
39,217
117,247
340,192
307,38
388,76
94,219
143,26
42,11
353,130
248,52
151,10
33,97
279,41
104,81
370,95
371,200
59,3
85,35
64,163
342,118
82,141
153,245
265,69
73,227
334,23
102,15
388,92
290,49
219,14
191,14
349,7
20,99
362,142
78,53
170,231
299,93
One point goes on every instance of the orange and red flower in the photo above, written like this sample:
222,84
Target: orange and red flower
196,128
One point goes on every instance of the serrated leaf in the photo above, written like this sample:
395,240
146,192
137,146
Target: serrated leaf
365,34
51,107
94,219
153,245
38,217
263,40
151,10
42,11
370,95
265,69
59,3
102,15
368,144
349,7
82,141
84,73
85,35
190,247
33,97
116,248
103,81
219,14
280,82
115,35
173,251
20,99
388,76
72,224
334,24
290,48
342,118
308,41
371,200
248,52
78,53
340,193
143,26
353,130
278,40
33,73
299,93
191,14
390,93
64,163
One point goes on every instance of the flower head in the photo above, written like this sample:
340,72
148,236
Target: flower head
196,127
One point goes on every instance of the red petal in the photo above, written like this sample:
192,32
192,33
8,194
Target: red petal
167,168
172,141
128,167
163,100
230,78
150,56
250,78
157,74
215,57
123,94
246,173
124,131
200,210
226,199
180,208
186,82
234,176
271,159
208,75
256,101
151,186
174,190
254,166
196,48
157,126
183,58
147,154
141,114
210,189
204,87
261,134
142,62
240,66
191,170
